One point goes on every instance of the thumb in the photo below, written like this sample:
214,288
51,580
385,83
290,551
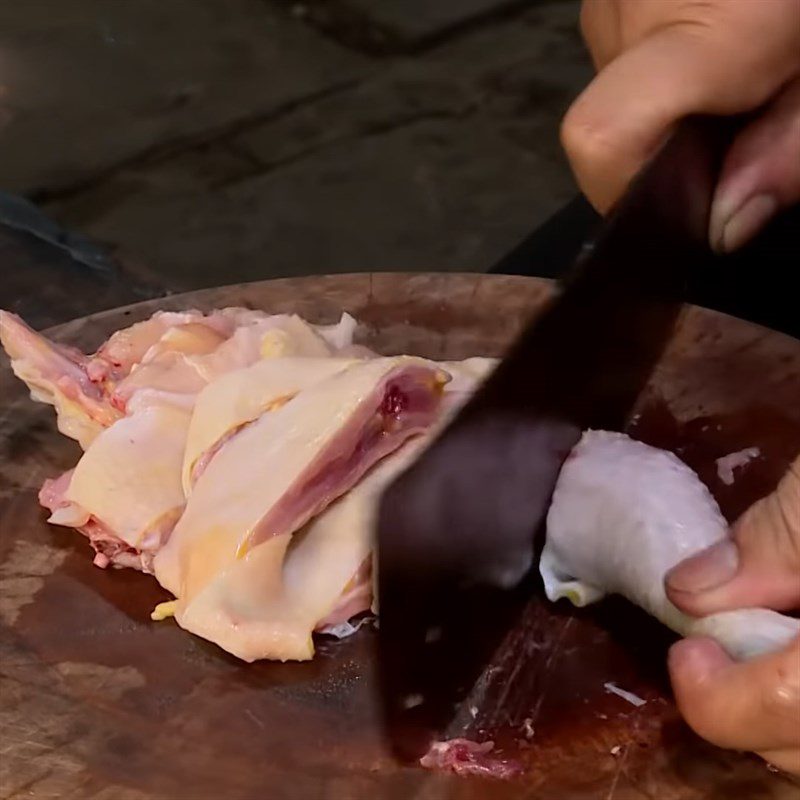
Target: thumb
758,566
748,706
761,172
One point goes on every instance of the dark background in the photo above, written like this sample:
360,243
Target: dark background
204,142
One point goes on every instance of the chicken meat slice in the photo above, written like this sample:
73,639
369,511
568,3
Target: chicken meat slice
269,603
128,347
125,493
466,377
58,375
288,465
167,358
227,404
181,364
360,594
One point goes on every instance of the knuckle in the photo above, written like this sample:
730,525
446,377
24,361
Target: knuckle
585,139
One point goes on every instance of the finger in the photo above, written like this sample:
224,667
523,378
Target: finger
753,705
619,121
759,566
600,29
761,173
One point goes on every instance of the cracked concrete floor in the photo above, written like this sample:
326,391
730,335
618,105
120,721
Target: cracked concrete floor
217,141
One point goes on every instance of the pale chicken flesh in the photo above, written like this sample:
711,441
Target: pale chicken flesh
130,405
169,357
268,604
58,375
321,576
227,404
125,493
283,429
281,470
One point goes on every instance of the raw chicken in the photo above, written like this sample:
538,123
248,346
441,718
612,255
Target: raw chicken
263,422
189,357
466,376
622,515
267,604
125,349
57,374
235,399
339,336
167,358
282,469
125,494
465,757
239,397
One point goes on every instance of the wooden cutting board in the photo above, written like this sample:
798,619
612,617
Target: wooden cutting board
97,701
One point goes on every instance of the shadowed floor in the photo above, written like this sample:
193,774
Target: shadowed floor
218,141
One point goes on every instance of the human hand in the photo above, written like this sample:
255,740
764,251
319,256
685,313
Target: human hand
661,60
753,705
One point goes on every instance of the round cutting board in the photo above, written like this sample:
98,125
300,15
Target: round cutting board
97,701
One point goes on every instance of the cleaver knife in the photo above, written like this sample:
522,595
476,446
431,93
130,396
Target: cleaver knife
457,539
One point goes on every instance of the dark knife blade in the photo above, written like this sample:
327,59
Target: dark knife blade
456,533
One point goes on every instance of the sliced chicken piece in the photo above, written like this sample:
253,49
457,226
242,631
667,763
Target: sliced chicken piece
85,390
278,336
357,596
267,604
467,376
184,361
130,346
340,335
57,374
109,548
281,470
169,357
289,335
235,399
169,371
125,493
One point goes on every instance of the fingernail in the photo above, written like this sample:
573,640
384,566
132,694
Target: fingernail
696,660
707,570
731,227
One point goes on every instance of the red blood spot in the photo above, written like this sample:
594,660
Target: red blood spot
394,402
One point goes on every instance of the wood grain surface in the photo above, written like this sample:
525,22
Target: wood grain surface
97,702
